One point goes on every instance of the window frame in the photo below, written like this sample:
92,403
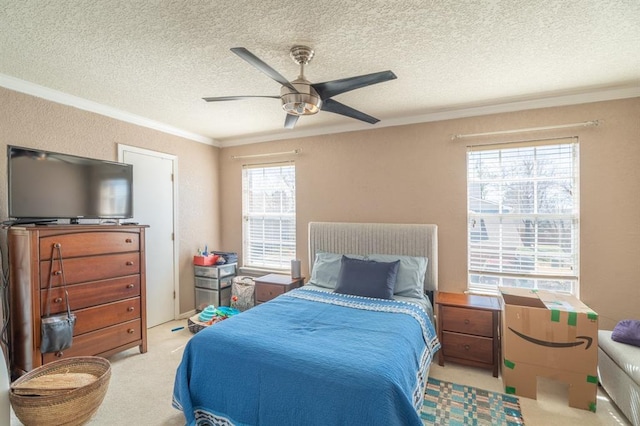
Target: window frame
489,264
257,221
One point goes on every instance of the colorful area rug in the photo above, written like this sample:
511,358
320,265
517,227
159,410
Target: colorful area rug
447,403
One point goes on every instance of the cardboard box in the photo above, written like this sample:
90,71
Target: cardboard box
551,335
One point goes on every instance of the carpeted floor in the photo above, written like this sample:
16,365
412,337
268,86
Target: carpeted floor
447,403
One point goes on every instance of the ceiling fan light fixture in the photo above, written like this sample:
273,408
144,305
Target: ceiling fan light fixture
300,104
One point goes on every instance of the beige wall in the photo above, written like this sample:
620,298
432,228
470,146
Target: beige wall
407,174
417,174
37,123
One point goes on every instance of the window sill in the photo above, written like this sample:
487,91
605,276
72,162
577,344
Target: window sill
258,272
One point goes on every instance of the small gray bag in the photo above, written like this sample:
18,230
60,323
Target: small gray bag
56,331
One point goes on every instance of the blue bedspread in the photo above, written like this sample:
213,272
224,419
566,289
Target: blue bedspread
309,358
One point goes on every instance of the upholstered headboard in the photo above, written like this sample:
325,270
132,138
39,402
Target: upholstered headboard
378,238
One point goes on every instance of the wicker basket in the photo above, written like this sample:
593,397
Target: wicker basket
194,324
73,406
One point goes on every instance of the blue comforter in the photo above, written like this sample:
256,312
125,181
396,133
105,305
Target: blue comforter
309,358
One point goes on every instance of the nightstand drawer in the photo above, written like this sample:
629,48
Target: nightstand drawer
266,292
465,320
467,347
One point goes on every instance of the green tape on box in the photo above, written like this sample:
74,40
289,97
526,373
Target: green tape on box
592,407
510,390
509,364
592,379
573,319
592,316
555,315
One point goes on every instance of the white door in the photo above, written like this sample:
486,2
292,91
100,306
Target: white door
154,205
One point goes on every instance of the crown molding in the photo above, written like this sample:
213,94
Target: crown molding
38,91
631,90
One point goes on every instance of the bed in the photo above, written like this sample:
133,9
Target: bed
325,354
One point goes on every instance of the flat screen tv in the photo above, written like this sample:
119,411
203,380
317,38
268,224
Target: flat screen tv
51,185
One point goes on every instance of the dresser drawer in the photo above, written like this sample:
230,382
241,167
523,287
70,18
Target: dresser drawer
215,271
213,283
97,342
467,347
465,320
90,268
90,294
217,298
98,317
266,292
90,243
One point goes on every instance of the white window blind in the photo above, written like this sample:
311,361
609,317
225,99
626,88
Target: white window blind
523,216
269,215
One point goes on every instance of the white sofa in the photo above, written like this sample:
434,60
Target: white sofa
619,374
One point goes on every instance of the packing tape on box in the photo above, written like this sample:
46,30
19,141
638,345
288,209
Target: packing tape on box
592,379
573,319
555,315
509,364
592,407
510,390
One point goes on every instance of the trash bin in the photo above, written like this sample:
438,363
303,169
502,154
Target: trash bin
243,287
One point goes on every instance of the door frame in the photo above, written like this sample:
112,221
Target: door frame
176,238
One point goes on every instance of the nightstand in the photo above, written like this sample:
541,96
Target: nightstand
273,285
469,330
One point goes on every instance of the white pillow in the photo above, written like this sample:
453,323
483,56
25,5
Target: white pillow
410,278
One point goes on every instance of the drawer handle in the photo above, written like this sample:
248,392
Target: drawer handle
59,354
57,300
129,263
467,347
130,309
130,285
128,240
57,273
466,321
130,331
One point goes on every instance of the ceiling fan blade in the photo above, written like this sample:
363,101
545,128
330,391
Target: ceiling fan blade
262,66
290,121
338,108
236,98
329,89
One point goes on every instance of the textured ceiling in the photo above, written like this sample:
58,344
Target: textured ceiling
157,59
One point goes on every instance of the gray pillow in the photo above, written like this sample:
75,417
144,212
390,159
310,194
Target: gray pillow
410,280
627,331
326,269
367,278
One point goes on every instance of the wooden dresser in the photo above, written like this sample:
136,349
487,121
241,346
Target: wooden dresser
104,267
469,330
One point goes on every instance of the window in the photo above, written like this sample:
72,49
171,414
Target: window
269,216
523,216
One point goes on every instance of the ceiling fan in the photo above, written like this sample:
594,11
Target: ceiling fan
301,97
